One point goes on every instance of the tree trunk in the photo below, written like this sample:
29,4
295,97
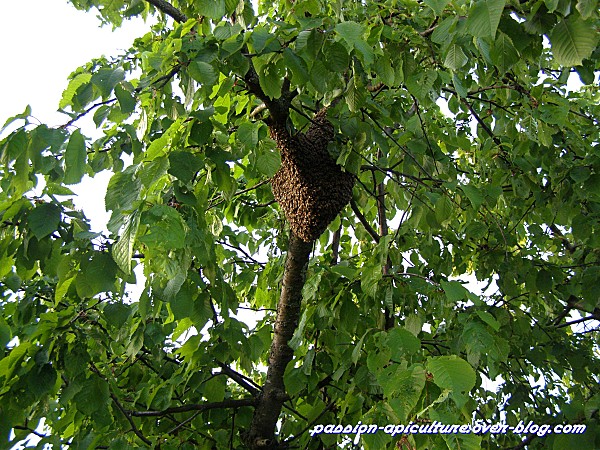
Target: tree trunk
261,435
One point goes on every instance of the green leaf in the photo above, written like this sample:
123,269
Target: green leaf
165,228
489,319
403,387
107,79
337,57
268,161
358,348
263,41
437,6
43,381
454,290
587,8
203,72
117,314
385,71
75,158
23,116
474,194
71,90
93,395
484,17
455,58
319,75
270,81
125,98
544,281
296,65
402,341
201,132
421,83
213,9
247,134
354,96
123,190
97,275
184,165
44,219
5,333
452,372
572,41
122,250
503,53
352,32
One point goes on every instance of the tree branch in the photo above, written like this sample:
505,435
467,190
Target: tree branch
364,221
240,379
567,244
168,9
128,415
232,403
91,108
261,434
383,231
480,121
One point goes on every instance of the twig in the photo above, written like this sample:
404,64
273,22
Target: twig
169,10
395,141
257,185
91,108
240,379
364,221
329,407
239,249
31,431
128,415
568,245
524,443
196,407
574,322
484,125
182,424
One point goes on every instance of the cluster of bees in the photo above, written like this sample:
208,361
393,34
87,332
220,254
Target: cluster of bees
310,187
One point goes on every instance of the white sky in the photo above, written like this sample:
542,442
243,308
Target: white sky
41,43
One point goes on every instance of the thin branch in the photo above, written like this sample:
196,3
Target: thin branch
329,407
395,141
162,81
240,379
91,108
241,250
568,245
196,407
383,231
182,424
169,10
431,29
408,274
257,309
421,180
128,415
574,322
364,221
31,431
257,185
524,443
484,125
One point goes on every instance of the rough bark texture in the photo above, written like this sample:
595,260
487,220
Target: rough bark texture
262,430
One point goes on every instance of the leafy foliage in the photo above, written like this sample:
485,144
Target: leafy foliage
503,189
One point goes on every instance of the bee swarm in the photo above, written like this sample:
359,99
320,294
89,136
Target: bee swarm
310,187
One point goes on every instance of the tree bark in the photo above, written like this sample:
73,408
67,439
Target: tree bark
261,435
